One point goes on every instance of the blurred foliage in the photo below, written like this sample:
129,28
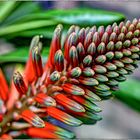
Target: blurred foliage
20,21
129,93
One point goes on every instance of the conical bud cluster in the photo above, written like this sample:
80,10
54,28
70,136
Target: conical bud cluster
81,71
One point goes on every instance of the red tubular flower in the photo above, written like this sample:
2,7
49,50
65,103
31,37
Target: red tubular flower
45,100
49,131
3,87
30,74
19,83
68,103
42,133
55,45
32,118
37,61
62,116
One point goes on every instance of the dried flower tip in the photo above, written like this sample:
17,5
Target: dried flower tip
32,118
45,99
73,89
59,61
37,61
75,72
19,83
55,76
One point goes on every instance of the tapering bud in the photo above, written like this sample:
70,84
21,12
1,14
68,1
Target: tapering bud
81,35
62,116
96,38
88,72
37,61
32,118
19,83
100,59
75,72
101,31
91,96
72,41
88,81
3,87
99,69
80,51
59,61
100,78
87,60
55,76
55,45
68,103
101,48
87,104
91,49
73,89
73,55
45,99
105,38
88,40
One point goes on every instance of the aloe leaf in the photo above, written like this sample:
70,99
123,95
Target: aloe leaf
81,16
19,12
25,26
21,55
129,93
6,9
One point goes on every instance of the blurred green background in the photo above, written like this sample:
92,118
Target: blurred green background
20,21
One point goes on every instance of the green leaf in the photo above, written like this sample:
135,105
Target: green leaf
25,26
21,55
129,93
20,12
85,16
80,16
6,9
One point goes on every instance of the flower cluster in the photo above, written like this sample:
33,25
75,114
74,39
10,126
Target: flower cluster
81,71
